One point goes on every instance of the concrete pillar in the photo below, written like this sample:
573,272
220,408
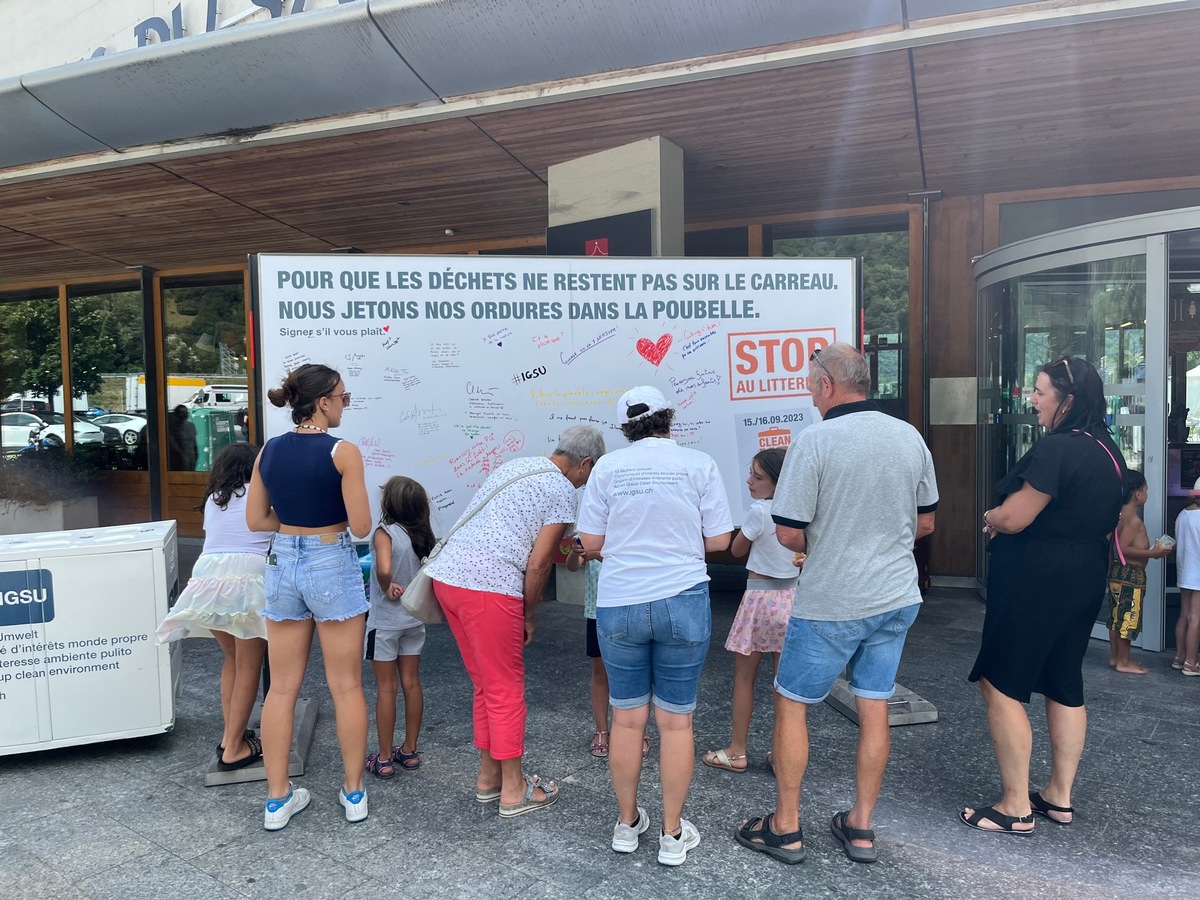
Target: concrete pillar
646,174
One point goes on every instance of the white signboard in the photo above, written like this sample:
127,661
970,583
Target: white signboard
457,364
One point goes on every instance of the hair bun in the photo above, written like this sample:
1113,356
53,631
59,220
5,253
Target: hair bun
277,396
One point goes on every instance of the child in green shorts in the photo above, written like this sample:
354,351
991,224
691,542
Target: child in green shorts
1127,580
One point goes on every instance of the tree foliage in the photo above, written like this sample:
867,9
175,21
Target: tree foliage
106,338
30,358
200,320
885,272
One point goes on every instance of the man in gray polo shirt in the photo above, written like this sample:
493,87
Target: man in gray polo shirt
856,491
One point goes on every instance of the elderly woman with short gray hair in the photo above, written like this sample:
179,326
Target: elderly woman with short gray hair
489,579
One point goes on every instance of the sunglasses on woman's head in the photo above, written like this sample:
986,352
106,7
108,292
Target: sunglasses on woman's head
1066,364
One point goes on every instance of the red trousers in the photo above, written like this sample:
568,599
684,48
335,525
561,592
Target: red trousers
490,631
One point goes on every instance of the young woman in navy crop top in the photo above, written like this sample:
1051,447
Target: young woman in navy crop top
309,487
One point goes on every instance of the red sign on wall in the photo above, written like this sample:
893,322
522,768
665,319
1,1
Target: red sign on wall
765,365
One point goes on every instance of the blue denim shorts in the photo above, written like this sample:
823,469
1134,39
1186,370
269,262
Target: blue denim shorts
313,576
656,650
816,653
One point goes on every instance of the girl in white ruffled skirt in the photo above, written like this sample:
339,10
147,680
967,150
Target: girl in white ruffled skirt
225,596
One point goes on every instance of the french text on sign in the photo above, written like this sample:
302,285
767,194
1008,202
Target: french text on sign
774,437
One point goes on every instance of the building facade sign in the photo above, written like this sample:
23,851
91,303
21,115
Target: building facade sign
38,36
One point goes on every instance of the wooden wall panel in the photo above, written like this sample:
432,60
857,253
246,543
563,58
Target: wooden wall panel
953,543
833,134
140,215
956,235
183,492
1079,104
382,190
27,257
123,498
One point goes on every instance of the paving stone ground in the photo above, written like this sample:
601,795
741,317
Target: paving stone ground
132,819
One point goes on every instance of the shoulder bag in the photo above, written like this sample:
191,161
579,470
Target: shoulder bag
418,597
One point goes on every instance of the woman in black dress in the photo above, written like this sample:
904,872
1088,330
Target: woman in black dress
1049,555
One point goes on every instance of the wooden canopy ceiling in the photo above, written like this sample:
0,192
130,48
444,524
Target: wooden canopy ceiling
1092,103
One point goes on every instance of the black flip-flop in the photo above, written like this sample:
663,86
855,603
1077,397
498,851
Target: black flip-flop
1043,807
993,815
255,756
846,834
249,734
763,840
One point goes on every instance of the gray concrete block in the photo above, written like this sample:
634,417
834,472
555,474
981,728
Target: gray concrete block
302,736
905,707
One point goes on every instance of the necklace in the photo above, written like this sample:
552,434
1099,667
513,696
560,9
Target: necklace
313,427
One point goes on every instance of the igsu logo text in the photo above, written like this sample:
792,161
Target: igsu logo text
26,597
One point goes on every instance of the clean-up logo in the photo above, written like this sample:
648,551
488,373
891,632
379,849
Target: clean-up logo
26,597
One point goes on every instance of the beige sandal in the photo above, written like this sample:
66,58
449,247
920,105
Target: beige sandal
719,759
528,804
599,748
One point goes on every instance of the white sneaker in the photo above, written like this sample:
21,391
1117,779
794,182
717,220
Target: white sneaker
278,813
355,803
625,837
672,851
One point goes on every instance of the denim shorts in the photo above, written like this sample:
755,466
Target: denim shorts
655,651
313,576
816,653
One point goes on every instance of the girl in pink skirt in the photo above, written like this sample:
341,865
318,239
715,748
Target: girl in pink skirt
762,618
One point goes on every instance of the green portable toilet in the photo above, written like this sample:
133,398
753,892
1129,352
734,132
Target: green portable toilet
215,428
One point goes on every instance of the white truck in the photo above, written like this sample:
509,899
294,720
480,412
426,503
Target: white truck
188,390
222,396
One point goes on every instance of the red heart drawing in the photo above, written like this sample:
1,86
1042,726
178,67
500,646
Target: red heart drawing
385,328
654,351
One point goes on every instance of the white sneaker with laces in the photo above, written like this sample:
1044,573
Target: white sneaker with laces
625,837
278,813
355,803
673,851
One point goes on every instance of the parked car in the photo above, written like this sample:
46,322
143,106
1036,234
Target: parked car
17,429
26,427
129,426
19,405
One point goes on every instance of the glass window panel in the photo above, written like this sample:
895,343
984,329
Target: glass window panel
1183,397
108,363
206,387
33,467
885,301
30,352
1095,311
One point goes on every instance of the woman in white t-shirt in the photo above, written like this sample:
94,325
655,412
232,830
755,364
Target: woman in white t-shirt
489,579
654,509
762,617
